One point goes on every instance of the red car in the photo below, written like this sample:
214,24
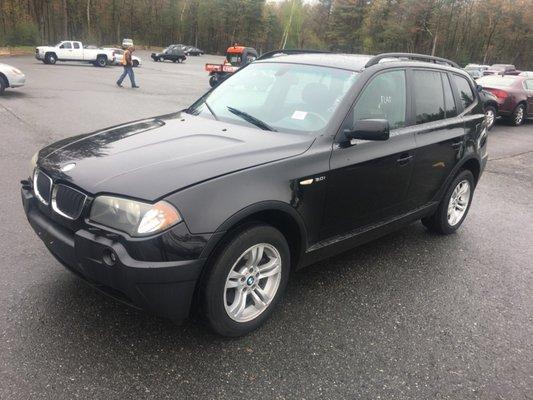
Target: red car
514,96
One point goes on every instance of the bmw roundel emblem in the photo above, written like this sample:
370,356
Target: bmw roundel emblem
68,167
250,281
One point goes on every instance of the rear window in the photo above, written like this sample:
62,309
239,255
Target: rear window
429,96
496,81
465,91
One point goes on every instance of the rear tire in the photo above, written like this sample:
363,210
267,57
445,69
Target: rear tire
454,206
490,116
101,61
518,116
246,281
50,58
213,81
135,63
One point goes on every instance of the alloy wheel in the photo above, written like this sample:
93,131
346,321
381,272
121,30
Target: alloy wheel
458,202
490,117
252,282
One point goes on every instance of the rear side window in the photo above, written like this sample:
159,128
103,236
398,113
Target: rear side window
383,98
429,96
66,45
465,91
76,45
449,102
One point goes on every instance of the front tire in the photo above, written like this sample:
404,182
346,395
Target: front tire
454,206
518,115
50,58
246,281
3,85
213,81
135,63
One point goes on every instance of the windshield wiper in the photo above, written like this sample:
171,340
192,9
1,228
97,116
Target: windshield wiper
210,110
251,119
194,109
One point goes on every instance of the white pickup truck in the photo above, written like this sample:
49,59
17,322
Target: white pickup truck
74,51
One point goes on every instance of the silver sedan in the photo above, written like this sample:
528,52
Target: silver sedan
10,77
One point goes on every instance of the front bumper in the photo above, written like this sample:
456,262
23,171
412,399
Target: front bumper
16,80
164,288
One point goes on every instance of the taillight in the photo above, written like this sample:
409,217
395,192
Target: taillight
501,94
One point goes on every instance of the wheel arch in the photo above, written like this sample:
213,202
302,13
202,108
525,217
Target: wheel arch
4,78
471,163
474,166
278,214
491,104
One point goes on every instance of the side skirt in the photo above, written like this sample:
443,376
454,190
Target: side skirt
341,243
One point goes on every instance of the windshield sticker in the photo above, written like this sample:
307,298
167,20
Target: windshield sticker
300,115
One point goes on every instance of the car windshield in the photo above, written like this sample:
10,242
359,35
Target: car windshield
496,81
276,96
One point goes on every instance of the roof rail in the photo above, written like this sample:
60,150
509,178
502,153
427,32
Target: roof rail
412,56
280,52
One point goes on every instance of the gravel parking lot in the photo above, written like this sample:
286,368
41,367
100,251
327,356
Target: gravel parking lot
411,316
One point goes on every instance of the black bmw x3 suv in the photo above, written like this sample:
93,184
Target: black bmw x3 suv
296,157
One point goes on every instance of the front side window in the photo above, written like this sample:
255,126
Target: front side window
529,84
429,96
465,91
383,98
287,97
76,45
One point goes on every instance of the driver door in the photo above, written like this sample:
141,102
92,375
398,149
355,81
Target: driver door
368,180
64,52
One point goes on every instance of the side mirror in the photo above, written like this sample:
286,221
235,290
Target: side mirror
369,129
479,88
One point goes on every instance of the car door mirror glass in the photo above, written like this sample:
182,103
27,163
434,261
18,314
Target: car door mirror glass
369,129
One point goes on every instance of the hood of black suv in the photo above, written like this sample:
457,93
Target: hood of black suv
151,158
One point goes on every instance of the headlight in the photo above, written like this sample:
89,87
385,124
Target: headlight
33,163
134,217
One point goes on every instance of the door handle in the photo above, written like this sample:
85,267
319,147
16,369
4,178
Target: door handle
457,145
404,159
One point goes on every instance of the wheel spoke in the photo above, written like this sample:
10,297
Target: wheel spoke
254,256
239,304
259,303
269,269
262,294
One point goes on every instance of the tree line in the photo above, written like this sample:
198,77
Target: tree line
482,31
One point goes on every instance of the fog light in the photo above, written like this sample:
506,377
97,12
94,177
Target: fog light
109,257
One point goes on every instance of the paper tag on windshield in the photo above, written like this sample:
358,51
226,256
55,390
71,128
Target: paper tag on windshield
300,115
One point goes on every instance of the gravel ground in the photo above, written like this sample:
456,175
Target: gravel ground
411,316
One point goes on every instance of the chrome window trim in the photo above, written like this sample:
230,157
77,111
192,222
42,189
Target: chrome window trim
36,189
56,208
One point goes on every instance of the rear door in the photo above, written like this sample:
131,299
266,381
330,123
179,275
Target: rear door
368,180
77,51
439,133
